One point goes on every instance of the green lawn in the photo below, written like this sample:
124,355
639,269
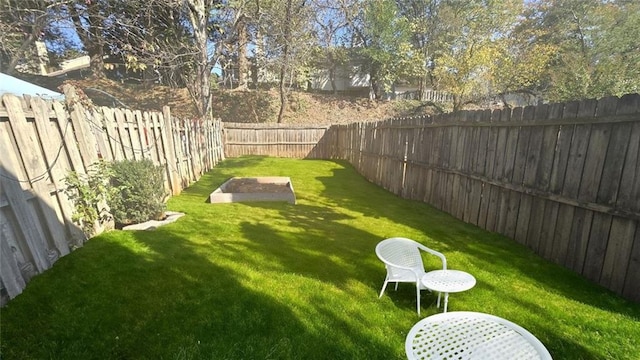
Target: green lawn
281,281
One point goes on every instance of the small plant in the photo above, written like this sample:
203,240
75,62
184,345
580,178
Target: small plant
91,194
141,192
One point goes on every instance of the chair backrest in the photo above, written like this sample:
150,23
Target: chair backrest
404,253
400,252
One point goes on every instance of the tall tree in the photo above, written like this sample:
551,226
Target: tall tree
151,37
199,13
598,45
522,64
22,24
383,39
91,21
473,38
330,53
286,37
285,28
234,18
426,36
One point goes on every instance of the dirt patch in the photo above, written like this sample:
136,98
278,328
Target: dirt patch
251,106
252,186
258,106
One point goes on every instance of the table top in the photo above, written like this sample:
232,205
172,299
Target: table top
471,335
448,280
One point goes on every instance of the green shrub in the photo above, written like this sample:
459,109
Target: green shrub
91,194
141,192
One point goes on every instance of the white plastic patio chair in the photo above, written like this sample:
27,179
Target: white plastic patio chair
403,261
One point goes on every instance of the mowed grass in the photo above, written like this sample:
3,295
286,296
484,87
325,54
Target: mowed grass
281,281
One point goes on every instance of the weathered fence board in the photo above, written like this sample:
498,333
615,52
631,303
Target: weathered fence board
616,260
632,278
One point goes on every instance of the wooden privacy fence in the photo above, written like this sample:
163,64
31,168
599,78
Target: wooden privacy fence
42,141
281,140
562,179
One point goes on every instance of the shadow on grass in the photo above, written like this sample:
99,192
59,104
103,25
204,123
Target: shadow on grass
481,251
482,248
344,187
153,295
193,290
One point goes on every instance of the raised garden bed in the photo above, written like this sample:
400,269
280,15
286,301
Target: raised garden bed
247,189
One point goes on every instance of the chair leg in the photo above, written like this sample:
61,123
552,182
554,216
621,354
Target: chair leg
446,301
384,286
418,298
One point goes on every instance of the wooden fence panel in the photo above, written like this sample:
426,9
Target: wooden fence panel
124,139
81,128
17,191
616,256
26,136
112,133
513,144
275,140
43,141
52,142
629,190
547,228
170,150
96,119
12,277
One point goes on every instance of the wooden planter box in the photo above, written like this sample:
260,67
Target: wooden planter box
248,189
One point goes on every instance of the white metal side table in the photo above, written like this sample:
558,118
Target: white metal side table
448,281
465,335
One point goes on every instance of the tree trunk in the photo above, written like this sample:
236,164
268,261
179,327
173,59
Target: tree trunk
332,78
422,90
283,95
243,64
258,74
96,60
285,62
91,38
200,89
457,102
374,87
27,43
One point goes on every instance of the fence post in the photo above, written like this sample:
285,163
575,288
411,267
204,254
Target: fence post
84,136
170,151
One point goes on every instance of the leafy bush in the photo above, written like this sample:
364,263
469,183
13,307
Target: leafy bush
141,191
91,195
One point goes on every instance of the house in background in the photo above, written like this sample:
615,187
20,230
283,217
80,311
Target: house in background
347,78
66,66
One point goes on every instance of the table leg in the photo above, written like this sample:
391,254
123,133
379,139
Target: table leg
446,301
438,304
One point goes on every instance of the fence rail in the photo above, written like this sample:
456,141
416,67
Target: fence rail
42,141
562,179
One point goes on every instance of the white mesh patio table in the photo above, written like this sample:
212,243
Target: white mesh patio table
471,335
448,281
